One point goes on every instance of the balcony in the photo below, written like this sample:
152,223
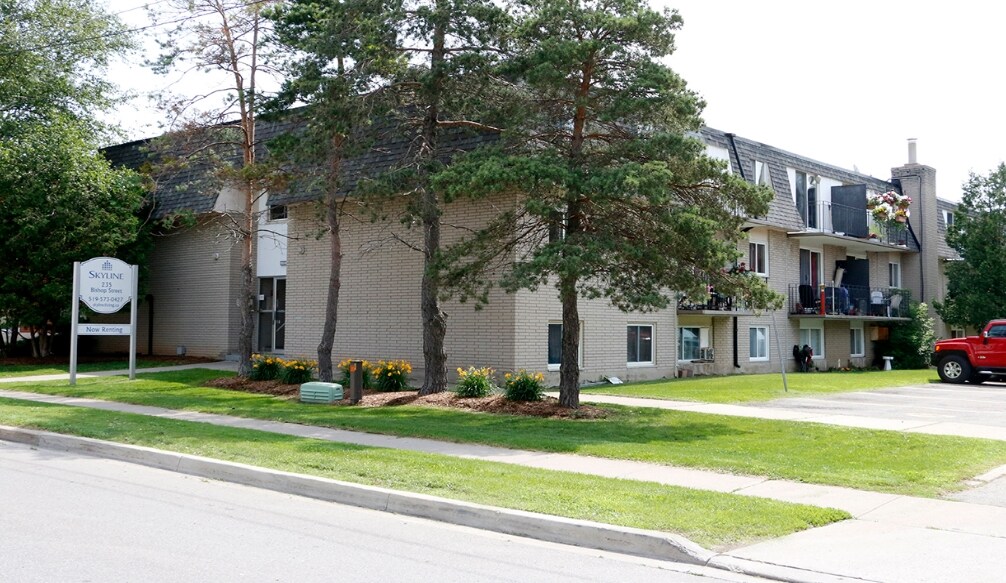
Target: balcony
849,302
712,304
854,228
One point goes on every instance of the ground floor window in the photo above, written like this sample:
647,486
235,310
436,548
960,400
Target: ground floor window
812,334
555,345
857,344
271,314
758,338
691,342
957,333
639,344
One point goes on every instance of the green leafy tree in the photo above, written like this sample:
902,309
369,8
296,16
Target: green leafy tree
53,55
215,130
615,199
911,343
60,202
976,285
339,49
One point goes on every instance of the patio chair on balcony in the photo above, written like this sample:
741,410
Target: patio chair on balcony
894,309
877,305
808,299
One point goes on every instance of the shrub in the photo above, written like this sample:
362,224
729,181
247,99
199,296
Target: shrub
523,385
265,367
296,372
368,374
392,375
475,382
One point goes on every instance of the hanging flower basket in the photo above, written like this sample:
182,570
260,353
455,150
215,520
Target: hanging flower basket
889,207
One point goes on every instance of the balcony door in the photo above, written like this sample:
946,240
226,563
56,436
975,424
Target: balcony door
271,314
806,200
810,268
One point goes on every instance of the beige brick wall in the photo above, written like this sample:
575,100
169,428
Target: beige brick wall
379,300
194,276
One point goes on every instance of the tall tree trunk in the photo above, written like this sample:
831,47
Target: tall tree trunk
332,218
249,293
569,370
434,318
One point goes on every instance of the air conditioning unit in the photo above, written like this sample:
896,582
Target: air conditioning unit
707,353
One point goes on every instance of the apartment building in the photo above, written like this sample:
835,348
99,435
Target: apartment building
846,279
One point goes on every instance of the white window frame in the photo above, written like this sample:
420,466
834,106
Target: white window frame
579,352
275,208
751,334
894,273
958,333
755,240
809,326
948,219
857,336
653,344
763,176
705,338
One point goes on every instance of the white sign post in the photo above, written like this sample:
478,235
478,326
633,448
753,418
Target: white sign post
104,284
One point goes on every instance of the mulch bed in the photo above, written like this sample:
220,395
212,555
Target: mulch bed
548,407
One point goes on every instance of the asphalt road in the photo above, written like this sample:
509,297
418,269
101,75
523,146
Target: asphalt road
70,518
974,404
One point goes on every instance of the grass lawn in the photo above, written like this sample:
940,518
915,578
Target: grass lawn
764,387
885,461
711,519
24,370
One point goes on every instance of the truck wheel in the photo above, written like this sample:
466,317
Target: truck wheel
954,369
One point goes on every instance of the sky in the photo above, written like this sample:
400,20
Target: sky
845,83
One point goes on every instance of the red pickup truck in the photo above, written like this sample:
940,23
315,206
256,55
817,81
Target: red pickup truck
974,359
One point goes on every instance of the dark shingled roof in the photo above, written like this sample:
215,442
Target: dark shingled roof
192,189
782,210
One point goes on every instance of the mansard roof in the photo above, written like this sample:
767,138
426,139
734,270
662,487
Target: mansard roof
193,189
782,210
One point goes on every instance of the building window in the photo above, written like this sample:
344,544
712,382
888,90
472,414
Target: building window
758,258
691,342
277,212
762,175
812,334
957,333
556,226
857,344
948,218
894,274
555,345
758,343
639,344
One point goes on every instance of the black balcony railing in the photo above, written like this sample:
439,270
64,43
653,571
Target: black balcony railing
885,302
711,302
859,223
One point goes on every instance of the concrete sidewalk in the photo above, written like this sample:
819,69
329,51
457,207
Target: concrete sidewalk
892,538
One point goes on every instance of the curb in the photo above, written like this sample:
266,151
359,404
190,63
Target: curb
580,533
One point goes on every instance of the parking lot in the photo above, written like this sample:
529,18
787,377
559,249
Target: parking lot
937,403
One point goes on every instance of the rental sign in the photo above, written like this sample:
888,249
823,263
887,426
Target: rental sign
105,285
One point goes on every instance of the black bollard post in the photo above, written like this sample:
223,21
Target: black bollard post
355,381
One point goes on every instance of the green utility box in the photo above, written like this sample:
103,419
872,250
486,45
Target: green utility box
316,392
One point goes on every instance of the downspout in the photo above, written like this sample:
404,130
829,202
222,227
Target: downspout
740,170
